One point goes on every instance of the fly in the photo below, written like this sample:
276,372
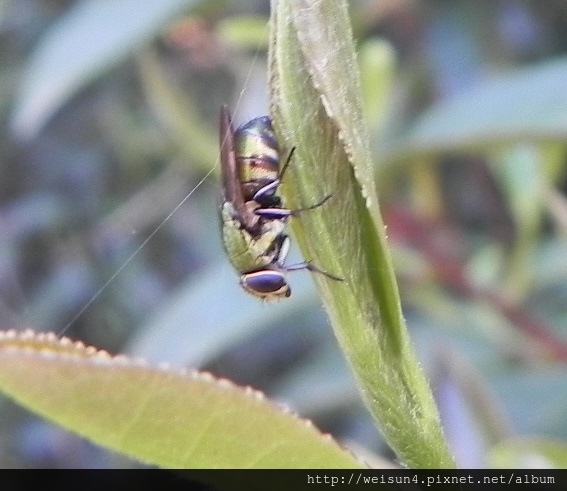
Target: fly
253,218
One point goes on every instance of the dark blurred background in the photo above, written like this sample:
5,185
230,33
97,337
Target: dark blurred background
108,220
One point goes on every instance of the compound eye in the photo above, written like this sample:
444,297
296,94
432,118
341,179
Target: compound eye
267,284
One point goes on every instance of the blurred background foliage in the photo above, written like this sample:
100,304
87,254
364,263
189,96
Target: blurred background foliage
109,158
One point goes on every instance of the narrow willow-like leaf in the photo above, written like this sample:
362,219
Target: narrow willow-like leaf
527,104
315,98
177,111
91,37
169,418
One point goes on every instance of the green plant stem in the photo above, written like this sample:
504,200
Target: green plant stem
315,97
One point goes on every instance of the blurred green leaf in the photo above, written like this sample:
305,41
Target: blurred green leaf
177,112
377,63
528,453
93,36
520,170
526,105
245,32
166,417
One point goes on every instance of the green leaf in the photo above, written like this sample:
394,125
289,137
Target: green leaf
92,37
377,63
166,417
244,32
177,111
529,453
316,107
526,105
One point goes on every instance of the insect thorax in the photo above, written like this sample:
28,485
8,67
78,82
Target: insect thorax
246,251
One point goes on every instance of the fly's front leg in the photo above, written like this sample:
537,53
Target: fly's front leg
275,213
270,188
311,267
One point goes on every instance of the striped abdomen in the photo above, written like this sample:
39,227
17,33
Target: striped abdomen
257,156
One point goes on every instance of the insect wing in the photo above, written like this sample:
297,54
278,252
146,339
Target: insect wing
230,185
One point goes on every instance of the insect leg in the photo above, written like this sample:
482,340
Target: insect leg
272,186
311,267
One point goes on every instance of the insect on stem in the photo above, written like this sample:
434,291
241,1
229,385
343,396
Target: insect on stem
253,217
